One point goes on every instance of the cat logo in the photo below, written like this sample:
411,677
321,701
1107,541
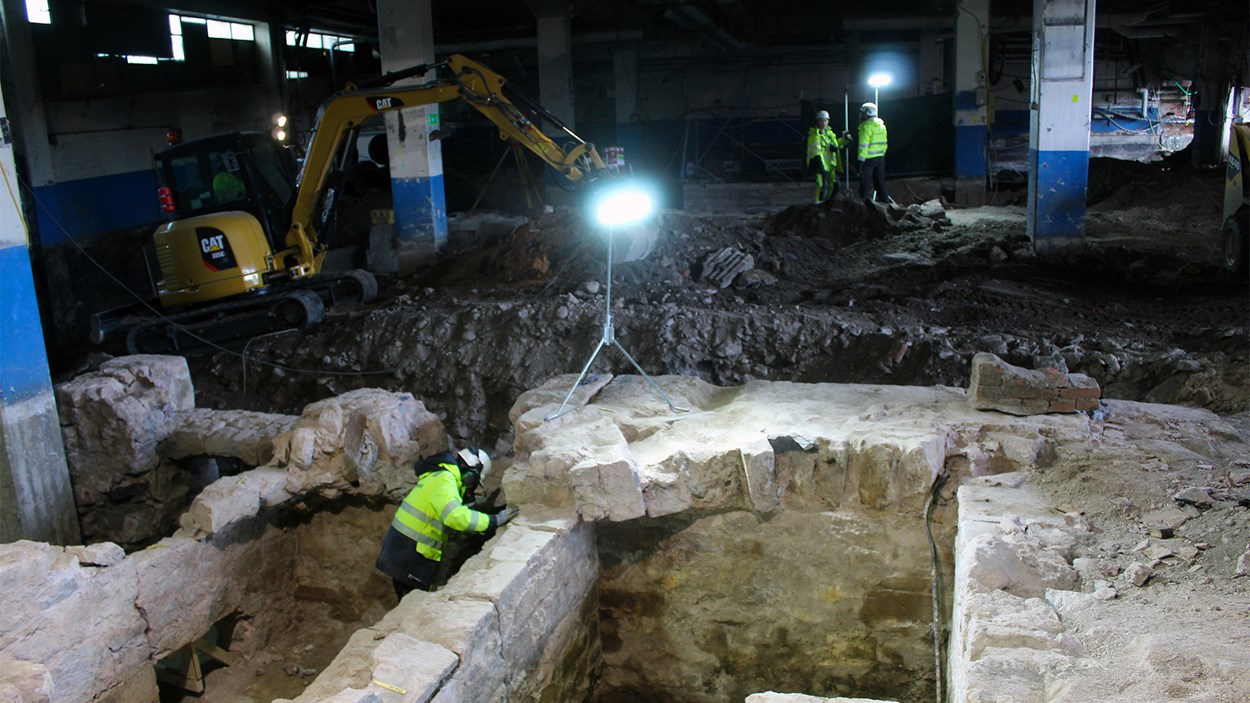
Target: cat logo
215,249
385,103
214,243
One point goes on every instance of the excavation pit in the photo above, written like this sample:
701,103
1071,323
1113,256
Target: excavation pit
772,537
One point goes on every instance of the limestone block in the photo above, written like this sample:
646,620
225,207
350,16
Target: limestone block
114,418
184,586
1001,679
233,499
141,686
415,666
890,475
542,480
369,436
99,554
79,623
759,469
534,578
1025,570
470,628
531,409
998,620
24,682
665,493
351,669
243,435
608,490
1006,452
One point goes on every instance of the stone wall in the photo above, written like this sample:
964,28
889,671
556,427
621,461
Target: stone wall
88,623
131,427
518,622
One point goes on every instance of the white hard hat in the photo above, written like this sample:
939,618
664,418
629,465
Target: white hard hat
869,109
822,115
476,458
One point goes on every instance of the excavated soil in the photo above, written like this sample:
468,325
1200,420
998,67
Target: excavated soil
841,292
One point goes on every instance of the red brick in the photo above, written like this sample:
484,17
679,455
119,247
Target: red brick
1080,393
1063,405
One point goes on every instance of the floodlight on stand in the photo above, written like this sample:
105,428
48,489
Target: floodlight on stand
617,207
879,81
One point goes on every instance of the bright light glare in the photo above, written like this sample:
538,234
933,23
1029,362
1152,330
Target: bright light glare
279,120
880,80
623,207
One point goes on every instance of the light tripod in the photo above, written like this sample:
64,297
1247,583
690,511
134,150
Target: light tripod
609,337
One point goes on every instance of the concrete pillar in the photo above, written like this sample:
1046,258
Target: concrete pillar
406,36
555,69
1210,115
932,63
972,19
628,133
36,498
1062,82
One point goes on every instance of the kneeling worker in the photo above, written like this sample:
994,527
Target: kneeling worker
414,543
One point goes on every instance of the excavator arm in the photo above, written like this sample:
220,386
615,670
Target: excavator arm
457,78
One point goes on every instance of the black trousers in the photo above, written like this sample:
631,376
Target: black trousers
872,177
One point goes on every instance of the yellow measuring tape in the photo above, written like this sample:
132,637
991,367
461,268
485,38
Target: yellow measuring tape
389,687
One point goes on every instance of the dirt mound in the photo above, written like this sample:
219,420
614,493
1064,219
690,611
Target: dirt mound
844,219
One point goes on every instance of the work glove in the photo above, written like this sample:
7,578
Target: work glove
846,135
505,516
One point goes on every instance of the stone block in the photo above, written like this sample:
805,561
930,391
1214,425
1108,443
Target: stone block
243,435
24,682
80,624
417,667
113,419
759,469
367,436
233,499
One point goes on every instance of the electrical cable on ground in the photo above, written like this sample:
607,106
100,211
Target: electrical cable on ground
935,585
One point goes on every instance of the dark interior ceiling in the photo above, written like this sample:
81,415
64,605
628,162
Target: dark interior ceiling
759,23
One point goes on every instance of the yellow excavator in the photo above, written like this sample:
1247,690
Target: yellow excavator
1236,231
241,253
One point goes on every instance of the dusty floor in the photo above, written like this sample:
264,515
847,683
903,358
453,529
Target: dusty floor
844,293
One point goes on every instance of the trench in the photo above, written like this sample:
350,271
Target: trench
693,607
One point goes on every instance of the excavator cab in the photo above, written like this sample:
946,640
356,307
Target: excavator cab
237,171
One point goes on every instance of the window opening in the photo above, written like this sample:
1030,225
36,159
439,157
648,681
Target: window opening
37,12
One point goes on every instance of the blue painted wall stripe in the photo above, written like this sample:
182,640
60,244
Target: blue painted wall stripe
1056,206
970,149
23,358
93,206
420,209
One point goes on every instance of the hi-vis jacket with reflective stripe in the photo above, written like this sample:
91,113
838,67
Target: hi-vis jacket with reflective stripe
433,507
872,138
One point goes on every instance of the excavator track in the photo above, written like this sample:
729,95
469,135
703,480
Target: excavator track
299,305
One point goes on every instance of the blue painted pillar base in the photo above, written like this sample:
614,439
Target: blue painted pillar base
971,142
36,498
1056,209
420,219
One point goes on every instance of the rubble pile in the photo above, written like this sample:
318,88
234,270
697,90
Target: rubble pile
845,219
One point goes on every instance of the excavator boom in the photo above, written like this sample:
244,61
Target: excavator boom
457,78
